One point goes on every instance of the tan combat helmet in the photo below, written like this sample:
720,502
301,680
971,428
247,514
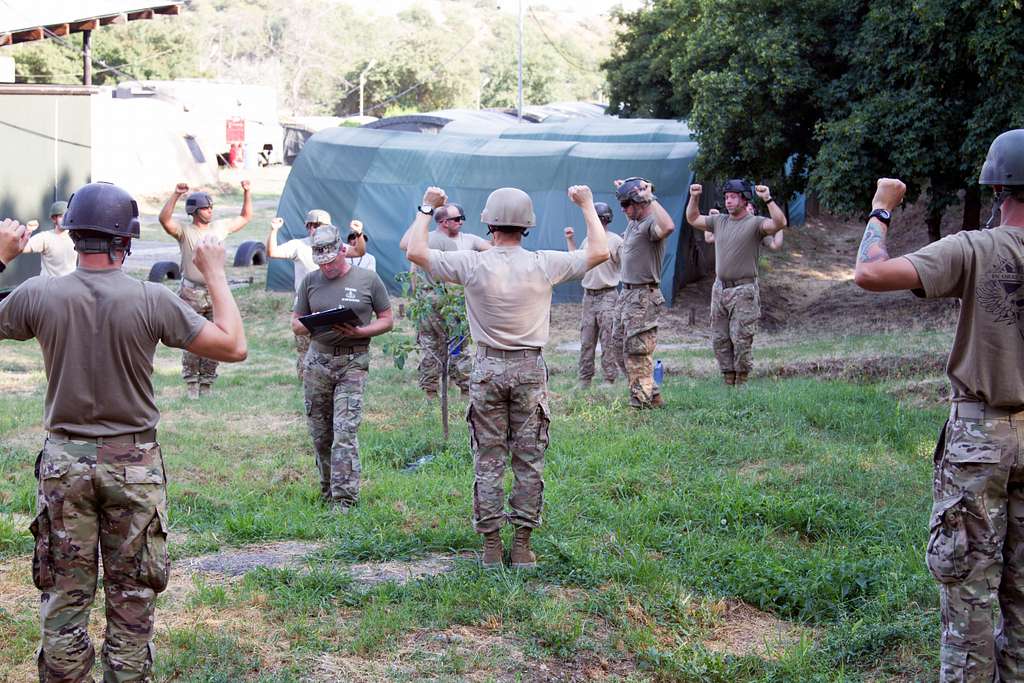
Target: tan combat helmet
326,244
318,216
507,208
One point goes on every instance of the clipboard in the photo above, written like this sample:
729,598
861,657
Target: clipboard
324,320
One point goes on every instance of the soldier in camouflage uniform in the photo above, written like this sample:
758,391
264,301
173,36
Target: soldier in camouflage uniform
976,543
338,361
600,315
643,247
102,485
735,297
431,337
199,373
508,303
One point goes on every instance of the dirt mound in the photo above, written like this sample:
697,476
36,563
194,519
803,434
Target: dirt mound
746,630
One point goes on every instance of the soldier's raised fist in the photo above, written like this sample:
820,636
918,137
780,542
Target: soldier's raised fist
569,232
763,192
245,185
208,256
888,194
356,226
617,183
696,189
435,197
13,237
581,195
32,225
277,223
181,188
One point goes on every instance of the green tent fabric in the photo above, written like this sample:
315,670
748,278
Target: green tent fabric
604,129
379,176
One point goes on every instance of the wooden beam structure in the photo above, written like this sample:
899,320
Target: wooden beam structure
30,33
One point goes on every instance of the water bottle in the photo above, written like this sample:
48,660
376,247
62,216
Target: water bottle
659,373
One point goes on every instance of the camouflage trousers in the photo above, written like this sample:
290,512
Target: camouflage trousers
619,335
508,414
735,312
333,387
641,309
301,346
976,546
433,343
600,314
196,368
93,500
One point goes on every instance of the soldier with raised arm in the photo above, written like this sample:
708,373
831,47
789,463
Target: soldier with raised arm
735,296
300,252
101,477
508,303
199,373
976,544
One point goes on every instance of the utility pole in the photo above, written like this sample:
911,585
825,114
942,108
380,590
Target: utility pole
86,57
362,83
519,108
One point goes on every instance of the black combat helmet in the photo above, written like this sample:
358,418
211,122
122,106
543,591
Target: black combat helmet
631,190
196,201
740,186
1004,164
604,212
103,207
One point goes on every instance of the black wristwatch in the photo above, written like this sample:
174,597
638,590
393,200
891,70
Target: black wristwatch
769,201
428,213
882,215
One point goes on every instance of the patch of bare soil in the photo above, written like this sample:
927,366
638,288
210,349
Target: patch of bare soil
744,630
868,368
236,562
472,653
401,572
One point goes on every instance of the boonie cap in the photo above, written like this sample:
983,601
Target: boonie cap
326,244
318,216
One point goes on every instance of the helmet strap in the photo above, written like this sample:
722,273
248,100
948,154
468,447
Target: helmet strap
1001,194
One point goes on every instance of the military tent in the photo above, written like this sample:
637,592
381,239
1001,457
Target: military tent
379,176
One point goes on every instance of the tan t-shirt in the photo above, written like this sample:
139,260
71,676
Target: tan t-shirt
642,250
57,251
442,242
985,270
301,252
736,245
606,274
189,238
360,289
508,290
98,330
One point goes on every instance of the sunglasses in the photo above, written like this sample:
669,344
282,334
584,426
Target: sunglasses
626,204
457,219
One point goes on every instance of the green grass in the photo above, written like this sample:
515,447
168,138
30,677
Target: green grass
806,499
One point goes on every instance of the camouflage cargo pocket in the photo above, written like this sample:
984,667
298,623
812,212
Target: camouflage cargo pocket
544,424
42,556
154,560
947,543
640,344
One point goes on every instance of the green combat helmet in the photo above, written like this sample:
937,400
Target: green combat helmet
1004,167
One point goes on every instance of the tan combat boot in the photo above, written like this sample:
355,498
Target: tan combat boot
741,378
193,390
729,377
522,556
494,551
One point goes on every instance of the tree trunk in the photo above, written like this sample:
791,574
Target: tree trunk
972,208
934,223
